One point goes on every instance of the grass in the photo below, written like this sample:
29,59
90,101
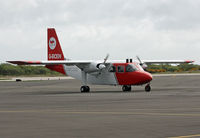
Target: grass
5,78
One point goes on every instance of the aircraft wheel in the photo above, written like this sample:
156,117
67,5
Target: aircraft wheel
147,88
126,88
85,89
88,88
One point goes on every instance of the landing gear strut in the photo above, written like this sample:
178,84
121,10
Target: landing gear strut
126,88
85,89
148,88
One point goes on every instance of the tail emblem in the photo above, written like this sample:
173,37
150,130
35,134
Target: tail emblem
52,43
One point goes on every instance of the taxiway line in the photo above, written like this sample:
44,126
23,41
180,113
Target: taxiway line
99,112
188,136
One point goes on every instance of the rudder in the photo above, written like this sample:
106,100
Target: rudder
54,48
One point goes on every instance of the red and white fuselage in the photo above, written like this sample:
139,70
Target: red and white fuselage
106,77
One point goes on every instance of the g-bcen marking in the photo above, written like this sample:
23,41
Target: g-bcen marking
55,56
52,43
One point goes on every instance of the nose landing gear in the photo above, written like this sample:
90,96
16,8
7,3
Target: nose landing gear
148,88
126,88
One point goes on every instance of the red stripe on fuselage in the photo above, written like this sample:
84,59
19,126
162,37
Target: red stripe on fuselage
58,68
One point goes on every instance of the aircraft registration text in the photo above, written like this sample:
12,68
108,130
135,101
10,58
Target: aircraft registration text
55,56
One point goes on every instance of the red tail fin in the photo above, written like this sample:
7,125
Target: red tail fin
54,48
54,51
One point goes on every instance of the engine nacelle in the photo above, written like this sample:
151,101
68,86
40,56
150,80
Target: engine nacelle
94,67
101,66
144,66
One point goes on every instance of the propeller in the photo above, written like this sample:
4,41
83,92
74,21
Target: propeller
103,65
142,64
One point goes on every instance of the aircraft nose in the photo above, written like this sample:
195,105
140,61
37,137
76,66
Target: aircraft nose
147,76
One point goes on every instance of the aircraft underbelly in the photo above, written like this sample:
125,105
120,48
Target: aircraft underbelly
105,78
102,79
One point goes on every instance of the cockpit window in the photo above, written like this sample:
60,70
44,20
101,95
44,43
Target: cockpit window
139,66
112,69
120,69
131,68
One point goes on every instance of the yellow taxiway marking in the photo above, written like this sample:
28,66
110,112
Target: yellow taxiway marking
188,136
100,112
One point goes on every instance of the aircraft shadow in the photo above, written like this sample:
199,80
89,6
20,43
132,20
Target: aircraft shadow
78,92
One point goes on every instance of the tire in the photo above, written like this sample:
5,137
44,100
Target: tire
85,89
82,89
129,88
148,88
126,88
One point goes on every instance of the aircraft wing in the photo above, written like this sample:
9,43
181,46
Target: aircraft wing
166,61
82,62
87,66
58,62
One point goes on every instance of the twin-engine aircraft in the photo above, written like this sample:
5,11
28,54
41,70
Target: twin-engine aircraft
116,72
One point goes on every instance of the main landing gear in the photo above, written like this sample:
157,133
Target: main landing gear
148,88
126,88
85,89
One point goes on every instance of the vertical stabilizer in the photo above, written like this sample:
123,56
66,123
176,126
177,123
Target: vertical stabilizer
54,51
54,48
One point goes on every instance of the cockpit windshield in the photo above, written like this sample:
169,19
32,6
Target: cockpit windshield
139,66
131,68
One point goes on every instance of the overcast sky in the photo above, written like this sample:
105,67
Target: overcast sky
89,29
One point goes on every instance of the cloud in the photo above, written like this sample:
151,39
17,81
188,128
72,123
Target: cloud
88,29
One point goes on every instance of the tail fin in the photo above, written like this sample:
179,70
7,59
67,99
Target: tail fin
54,51
54,48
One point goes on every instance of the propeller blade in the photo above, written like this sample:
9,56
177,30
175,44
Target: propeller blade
106,58
141,63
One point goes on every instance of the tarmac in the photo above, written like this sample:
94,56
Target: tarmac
57,109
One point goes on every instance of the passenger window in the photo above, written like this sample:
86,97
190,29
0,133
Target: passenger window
112,69
129,68
120,68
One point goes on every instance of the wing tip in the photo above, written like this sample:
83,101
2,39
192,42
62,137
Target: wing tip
24,62
16,62
189,61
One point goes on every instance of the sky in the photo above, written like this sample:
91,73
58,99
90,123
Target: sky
89,29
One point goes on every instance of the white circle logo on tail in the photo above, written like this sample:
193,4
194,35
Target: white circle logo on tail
52,43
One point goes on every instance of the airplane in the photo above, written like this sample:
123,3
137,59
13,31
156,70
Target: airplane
125,73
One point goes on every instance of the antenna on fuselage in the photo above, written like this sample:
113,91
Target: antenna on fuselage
129,60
